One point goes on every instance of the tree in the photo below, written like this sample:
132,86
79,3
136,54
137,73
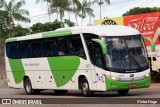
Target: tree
59,6
85,10
48,1
100,2
20,31
138,10
69,23
50,26
73,4
14,12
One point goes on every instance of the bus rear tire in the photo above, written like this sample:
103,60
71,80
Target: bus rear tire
60,92
28,87
86,92
122,92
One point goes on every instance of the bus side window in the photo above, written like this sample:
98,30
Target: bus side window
98,56
36,48
24,49
76,47
88,37
47,48
12,50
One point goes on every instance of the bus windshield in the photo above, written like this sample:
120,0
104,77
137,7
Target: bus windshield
126,54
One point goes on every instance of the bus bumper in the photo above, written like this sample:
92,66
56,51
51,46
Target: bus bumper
113,85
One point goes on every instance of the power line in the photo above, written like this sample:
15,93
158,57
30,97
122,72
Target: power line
103,5
92,7
149,2
38,15
142,3
122,2
114,3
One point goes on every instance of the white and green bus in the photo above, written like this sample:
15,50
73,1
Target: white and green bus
90,58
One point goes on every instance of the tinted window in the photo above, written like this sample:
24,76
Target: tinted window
61,46
24,49
12,50
36,48
76,47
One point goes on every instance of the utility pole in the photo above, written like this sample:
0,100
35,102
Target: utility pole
100,2
48,10
89,15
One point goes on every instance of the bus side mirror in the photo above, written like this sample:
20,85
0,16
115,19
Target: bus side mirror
151,43
102,44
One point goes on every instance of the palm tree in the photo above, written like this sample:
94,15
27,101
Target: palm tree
59,6
82,10
14,12
48,1
100,2
85,10
74,7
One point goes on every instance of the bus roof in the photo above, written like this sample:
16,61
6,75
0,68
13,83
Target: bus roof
101,30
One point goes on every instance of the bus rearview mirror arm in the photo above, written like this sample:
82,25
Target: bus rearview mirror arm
151,43
102,44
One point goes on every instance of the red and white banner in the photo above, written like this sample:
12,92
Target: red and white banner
148,24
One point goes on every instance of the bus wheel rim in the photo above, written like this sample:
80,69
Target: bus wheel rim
28,87
85,88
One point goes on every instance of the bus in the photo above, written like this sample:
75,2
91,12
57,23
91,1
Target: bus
148,24
90,58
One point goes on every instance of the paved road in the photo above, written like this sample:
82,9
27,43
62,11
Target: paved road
152,92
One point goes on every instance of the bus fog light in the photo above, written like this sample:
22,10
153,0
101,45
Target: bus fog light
113,85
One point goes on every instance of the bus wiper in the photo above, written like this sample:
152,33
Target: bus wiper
132,57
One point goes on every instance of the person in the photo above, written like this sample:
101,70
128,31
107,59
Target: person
61,52
129,54
73,51
81,52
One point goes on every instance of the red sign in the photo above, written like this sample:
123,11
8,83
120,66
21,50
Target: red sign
147,24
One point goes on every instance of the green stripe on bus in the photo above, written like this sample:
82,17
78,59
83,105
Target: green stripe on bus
57,33
63,68
17,69
113,85
11,40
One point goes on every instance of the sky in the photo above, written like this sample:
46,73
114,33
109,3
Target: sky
115,9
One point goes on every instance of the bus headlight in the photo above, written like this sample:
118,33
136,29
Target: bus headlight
114,78
147,75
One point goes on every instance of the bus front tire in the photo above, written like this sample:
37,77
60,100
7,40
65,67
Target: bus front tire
28,88
122,92
86,92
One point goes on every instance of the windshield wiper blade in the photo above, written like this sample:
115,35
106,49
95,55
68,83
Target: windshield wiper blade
132,57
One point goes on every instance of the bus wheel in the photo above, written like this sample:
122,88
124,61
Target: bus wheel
60,92
122,92
28,87
86,92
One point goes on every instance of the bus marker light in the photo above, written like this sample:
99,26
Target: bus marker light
94,81
132,85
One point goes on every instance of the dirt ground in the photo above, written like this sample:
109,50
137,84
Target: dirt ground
2,69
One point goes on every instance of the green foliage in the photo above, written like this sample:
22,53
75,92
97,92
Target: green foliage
59,7
138,10
19,31
69,23
14,11
50,26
